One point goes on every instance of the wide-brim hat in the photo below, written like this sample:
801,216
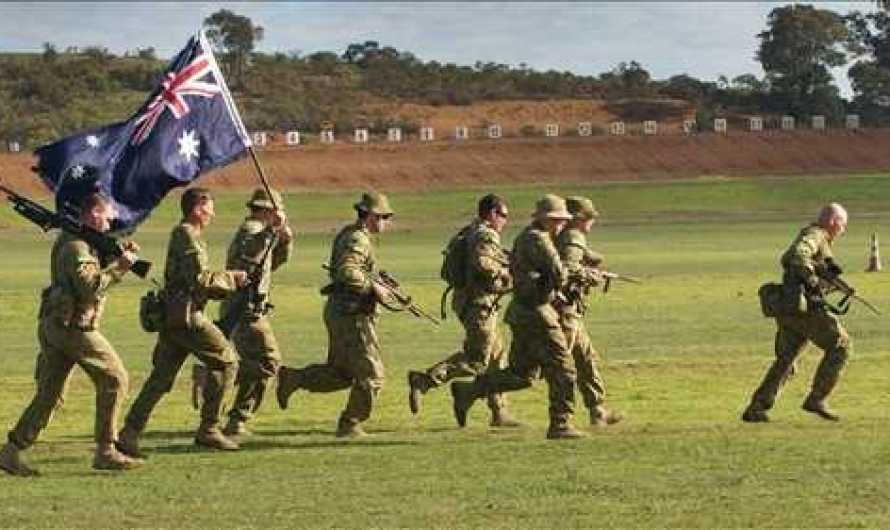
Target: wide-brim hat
260,199
552,207
375,203
581,208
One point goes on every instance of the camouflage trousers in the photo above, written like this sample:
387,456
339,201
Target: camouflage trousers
590,382
483,350
353,362
792,336
206,342
259,360
61,348
538,348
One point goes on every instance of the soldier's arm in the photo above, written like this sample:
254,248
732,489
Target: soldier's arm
196,273
351,271
88,278
802,257
487,263
549,262
284,248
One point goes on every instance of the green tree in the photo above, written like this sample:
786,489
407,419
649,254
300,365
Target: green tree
796,51
870,74
234,37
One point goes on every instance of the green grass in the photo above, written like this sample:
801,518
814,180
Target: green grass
681,355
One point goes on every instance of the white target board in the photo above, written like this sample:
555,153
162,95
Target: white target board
787,123
852,121
394,134
720,125
327,136
292,138
818,122
755,124
14,147
461,132
689,126
427,134
585,128
551,130
360,136
616,128
650,127
259,138
495,131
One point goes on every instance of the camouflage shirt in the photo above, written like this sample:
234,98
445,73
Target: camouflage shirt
78,283
248,246
576,256
810,248
538,272
186,270
487,266
352,261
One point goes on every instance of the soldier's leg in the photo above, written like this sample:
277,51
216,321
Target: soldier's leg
103,365
790,342
361,351
259,360
209,345
167,359
53,372
831,336
589,379
558,369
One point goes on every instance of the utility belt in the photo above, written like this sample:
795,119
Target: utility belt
60,307
348,301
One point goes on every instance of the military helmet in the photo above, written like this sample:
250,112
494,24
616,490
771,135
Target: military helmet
581,208
261,199
375,203
552,207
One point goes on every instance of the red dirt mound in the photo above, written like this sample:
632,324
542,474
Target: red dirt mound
414,165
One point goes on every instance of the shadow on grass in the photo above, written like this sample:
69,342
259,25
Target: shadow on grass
256,444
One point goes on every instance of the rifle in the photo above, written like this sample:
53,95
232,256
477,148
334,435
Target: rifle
248,296
394,289
107,246
592,276
830,274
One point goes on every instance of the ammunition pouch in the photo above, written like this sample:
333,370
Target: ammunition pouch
151,311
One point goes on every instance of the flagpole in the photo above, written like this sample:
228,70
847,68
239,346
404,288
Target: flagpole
236,117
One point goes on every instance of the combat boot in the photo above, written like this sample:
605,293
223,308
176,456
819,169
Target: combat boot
601,416
212,438
418,385
501,418
563,431
464,395
754,415
288,383
11,462
820,408
349,429
236,427
110,459
128,443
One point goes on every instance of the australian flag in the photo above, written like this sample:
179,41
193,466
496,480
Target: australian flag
187,126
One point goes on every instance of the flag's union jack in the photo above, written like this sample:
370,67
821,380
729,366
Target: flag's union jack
170,96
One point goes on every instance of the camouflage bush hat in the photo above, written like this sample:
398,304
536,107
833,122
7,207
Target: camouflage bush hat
581,208
260,199
552,207
375,203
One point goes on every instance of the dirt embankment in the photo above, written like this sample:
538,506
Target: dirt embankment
477,162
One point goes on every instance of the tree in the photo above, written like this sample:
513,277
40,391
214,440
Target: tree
234,37
870,75
50,53
797,51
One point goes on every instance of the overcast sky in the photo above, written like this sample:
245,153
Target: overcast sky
703,39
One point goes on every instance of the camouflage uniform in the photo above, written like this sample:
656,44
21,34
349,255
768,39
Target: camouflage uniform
68,332
539,344
350,316
188,285
573,251
797,328
252,336
476,304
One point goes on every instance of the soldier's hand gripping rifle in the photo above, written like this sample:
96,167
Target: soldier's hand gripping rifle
592,275
830,275
248,297
107,246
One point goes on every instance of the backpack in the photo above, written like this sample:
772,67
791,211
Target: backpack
454,261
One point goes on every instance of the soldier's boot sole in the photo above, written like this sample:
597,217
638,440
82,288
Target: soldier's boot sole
564,433
752,415
461,394
286,386
116,462
505,421
216,441
11,462
352,431
819,409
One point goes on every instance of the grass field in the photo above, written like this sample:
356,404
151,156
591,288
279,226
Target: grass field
681,355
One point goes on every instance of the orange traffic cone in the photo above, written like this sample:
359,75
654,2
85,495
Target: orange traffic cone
874,256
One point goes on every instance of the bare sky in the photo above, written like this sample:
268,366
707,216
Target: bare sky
703,39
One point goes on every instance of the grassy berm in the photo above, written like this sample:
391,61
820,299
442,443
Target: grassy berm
681,355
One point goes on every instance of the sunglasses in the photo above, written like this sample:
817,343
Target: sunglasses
386,216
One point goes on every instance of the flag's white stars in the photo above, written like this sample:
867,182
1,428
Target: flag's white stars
93,140
188,145
77,172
